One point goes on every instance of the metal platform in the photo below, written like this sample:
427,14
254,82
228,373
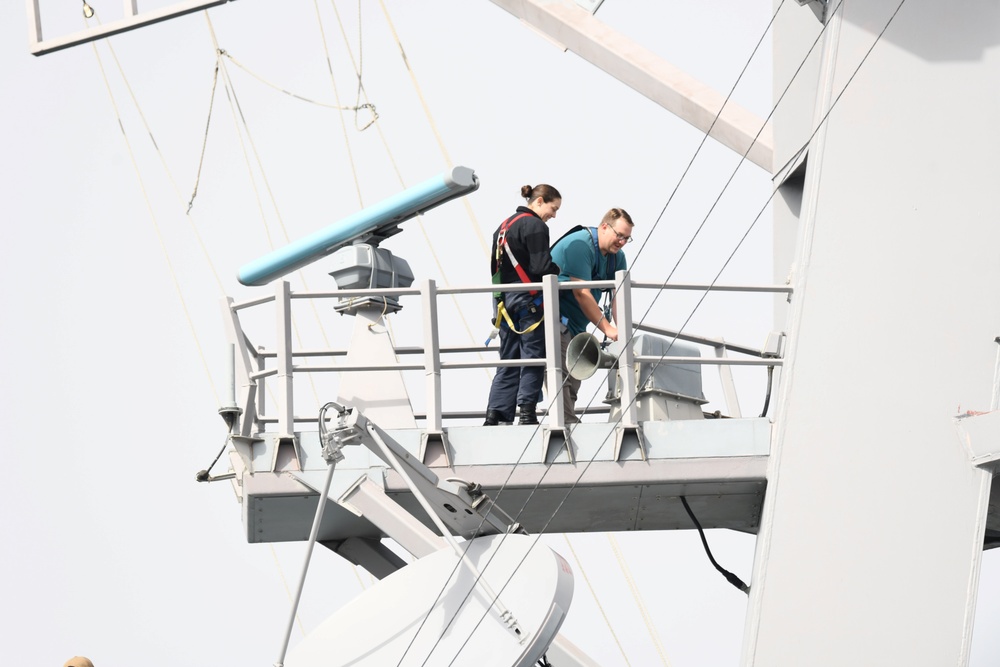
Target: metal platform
719,465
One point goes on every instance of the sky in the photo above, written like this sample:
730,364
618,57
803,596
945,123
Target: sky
111,321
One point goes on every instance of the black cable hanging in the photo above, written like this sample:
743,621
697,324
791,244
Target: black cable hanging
730,577
204,475
767,394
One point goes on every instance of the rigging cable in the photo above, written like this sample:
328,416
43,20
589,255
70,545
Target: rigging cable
301,98
231,91
437,135
712,208
593,594
447,158
231,94
162,243
714,204
552,399
176,189
350,156
240,119
159,236
359,68
392,159
718,198
343,126
772,195
237,112
336,96
637,596
194,229
163,163
820,124
155,221
197,236
204,142
233,98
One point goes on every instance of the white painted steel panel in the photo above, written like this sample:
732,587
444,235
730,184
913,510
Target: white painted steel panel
871,535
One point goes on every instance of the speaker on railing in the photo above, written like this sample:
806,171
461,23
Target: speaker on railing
584,356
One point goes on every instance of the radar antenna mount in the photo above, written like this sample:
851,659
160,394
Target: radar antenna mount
371,226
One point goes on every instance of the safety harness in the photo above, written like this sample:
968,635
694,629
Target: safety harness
503,248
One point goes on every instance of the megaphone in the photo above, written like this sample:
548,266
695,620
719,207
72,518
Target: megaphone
584,356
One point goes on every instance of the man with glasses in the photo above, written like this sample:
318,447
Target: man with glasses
589,253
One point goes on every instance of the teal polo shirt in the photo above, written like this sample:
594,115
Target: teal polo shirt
578,257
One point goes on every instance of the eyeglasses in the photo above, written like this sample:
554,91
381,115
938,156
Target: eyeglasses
620,238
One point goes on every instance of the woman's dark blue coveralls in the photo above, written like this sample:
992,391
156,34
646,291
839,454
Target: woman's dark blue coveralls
527,237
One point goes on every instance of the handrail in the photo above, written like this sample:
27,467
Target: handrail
701,340
399,350
432,364
517,287
766,289
453,414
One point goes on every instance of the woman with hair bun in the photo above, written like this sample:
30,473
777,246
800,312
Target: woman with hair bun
521,255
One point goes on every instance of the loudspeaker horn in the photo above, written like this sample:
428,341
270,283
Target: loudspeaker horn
584,356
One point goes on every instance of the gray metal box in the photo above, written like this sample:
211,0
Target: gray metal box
664,391
680,380
362,265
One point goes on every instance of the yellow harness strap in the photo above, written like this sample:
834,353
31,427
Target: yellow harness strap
504,316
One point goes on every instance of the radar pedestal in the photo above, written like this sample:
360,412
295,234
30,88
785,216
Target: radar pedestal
358,263
363,265
380,394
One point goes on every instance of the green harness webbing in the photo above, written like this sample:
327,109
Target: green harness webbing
504,248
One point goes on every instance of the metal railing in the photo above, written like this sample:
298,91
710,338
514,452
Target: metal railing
251,370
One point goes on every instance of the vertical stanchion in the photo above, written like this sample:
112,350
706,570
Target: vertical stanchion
553,351
283,306
626,360
432,355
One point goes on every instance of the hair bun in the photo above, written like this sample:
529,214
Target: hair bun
526,191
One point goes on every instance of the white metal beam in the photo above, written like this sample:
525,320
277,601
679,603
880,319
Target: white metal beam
133,19
573,27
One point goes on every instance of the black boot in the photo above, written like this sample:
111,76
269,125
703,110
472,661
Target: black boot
492,418
528,416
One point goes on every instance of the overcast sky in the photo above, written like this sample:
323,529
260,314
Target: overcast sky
114,366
